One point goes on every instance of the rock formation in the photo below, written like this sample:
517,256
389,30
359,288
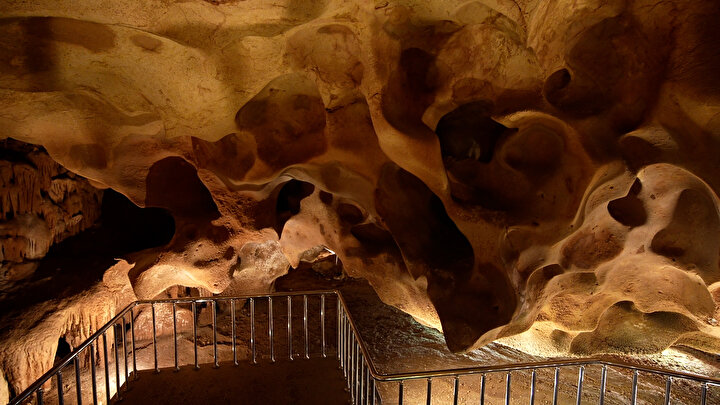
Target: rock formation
41,204
543,173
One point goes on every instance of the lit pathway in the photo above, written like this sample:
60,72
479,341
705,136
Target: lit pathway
297,382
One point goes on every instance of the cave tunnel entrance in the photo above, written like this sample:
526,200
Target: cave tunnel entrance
133,227
173,183
288,201
63,349
80,261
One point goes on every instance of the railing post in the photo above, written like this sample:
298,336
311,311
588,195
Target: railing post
352,368
154,337
252,331
400,393
368,381
556,380
232,330
195,345
125,358
117,362
175,344
61,398
603,384
107,374
456,390
348,347
703,394
668,385
482,389
339,329
289,326
132,337
428,394
507,388
305,325
78,388
581,376
361,386
533,379
322,323
93,375
270,330
214,328
39,396
634,388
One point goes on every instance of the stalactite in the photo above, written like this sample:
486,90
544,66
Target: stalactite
40,204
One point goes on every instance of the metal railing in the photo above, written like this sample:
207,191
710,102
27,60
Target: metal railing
365,383
364,379
120,334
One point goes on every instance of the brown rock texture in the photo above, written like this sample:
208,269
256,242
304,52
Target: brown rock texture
41,204
543,173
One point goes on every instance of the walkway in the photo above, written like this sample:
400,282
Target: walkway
298,382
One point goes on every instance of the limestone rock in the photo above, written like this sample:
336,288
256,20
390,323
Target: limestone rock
41,203
542,173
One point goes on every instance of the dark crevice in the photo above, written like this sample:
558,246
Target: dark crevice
63,349
173,183
135,228
436,249
78,262
288,201
468,132
629,210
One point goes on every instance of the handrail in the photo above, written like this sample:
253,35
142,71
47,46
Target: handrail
517,366
356,360
66,361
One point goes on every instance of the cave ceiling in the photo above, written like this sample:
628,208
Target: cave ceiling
529,171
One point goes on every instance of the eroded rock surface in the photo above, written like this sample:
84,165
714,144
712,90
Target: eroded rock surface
41,204
543,173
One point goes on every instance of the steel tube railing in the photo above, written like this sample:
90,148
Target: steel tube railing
362,377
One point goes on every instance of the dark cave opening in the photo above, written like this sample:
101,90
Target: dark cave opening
63,349
288,201
172,183
135,228
78,262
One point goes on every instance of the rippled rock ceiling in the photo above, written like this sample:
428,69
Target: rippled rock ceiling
545,173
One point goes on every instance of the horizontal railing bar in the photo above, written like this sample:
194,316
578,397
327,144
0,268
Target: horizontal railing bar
383,377
187,300
542,365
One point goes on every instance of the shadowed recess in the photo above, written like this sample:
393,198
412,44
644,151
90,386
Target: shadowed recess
692,239
435,248
629,210
468,132
410,90
288,201
172,183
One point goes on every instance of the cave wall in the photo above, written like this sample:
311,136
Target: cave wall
41,204
543,173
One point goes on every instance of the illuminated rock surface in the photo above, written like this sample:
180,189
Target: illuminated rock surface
544,173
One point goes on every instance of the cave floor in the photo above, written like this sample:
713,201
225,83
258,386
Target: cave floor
301,381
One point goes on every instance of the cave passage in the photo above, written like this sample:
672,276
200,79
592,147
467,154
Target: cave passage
75,264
